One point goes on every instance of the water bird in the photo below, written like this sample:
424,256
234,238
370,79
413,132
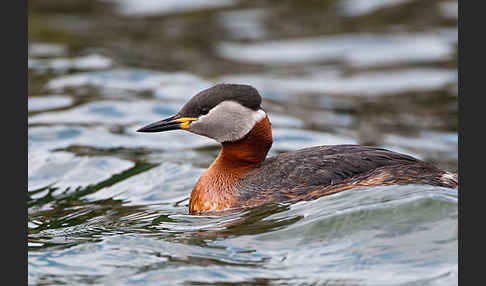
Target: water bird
242,176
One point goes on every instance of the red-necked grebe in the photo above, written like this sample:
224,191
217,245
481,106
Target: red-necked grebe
241,177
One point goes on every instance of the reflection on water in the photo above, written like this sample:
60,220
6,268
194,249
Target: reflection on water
150,7
362,50
109,206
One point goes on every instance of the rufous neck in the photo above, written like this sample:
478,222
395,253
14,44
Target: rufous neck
215,188
251,149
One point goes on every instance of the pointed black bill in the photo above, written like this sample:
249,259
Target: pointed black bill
172,123
162,125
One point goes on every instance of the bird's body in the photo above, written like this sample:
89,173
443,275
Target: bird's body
241,176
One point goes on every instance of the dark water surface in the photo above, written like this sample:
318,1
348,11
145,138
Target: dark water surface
109,206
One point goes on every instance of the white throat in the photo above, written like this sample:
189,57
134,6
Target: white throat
227,121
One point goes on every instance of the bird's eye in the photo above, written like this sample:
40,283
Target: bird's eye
204,110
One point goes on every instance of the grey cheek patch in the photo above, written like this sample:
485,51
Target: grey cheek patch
228,121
